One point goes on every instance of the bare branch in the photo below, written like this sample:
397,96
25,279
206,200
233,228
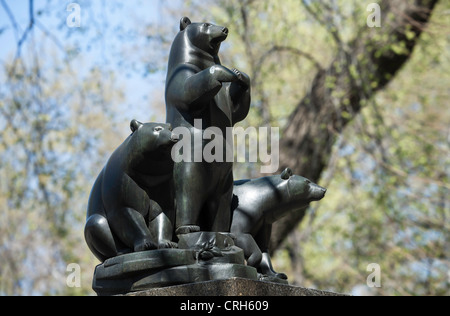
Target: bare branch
15,26
308,140
292,50
328,24
28,30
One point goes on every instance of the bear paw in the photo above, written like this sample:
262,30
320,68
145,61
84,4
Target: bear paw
223,74
167,244
238,73
281,276
243,79
272,274
144,245
183,230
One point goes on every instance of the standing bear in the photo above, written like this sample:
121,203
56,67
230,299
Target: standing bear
131,206
200,89
257,204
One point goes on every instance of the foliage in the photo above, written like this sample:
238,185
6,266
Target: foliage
53,134
388,176
391,180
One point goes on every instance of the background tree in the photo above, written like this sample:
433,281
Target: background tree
325,55
57,129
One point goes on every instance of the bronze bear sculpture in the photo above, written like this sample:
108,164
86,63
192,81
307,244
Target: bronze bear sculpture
145,199
257,204
131,207
198,87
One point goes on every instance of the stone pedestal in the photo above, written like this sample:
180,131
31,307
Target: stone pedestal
206,264
233,287
201,257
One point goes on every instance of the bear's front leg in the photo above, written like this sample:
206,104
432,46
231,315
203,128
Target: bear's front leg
252,253
130,226
192,91
162,230
266,268
263,239
243,79
240,93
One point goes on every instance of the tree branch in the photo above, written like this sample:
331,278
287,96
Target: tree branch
15,26
28,30
338,93
292,50
330,26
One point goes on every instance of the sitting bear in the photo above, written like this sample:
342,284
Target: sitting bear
257,204
131,206
198,87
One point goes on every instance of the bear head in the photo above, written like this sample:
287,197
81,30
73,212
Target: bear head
205,36
302,189
154,140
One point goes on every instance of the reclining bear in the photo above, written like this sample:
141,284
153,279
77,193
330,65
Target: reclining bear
257,204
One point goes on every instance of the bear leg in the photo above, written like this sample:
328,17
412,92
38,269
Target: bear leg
162,230
99,237
190,193
266,268
130,227
263,239
252,252
219,208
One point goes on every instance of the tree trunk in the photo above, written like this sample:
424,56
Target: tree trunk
337,94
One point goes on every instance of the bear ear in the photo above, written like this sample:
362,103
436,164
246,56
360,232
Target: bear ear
134,125
184,23
286,174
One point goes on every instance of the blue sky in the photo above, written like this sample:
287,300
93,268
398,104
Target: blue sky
107,30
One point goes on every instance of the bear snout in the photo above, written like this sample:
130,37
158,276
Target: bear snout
317,192
225,31
175,138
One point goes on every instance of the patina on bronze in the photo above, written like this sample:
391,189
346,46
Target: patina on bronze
155,223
